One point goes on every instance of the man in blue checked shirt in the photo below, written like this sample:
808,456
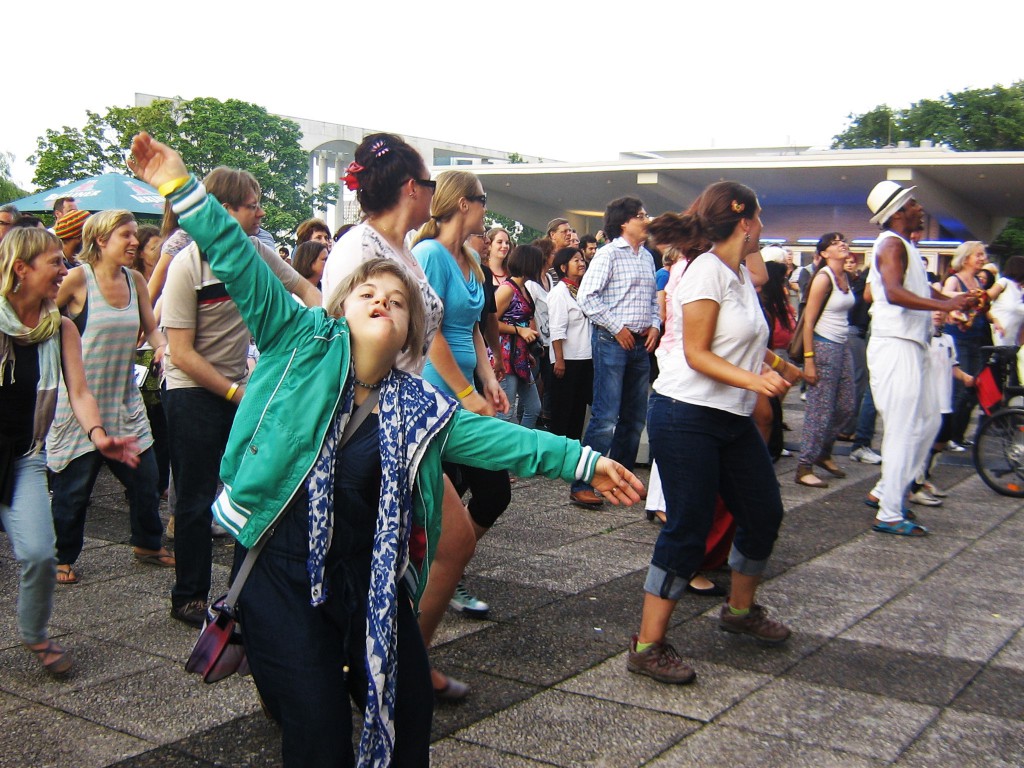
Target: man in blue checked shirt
618,294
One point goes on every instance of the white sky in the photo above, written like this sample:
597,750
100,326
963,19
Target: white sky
562,79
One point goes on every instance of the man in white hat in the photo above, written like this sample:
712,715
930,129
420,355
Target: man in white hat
898,350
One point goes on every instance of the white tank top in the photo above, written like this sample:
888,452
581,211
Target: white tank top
890,320
832,323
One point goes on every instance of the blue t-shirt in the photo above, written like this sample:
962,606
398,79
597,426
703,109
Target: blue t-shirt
463,300
661,279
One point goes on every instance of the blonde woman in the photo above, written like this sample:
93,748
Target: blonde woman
968,260
108,302
38,348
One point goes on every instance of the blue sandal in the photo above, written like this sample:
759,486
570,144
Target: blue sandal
908,513
902,528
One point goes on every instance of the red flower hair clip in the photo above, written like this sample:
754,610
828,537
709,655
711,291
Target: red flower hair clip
350,178
737,207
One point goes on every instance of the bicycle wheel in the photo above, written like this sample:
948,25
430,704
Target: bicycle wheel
999,452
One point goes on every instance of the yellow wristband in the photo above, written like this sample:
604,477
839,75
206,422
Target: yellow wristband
231,391
808,354
777,363
465,393
169,186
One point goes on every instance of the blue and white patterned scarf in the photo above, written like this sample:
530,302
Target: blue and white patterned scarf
411,413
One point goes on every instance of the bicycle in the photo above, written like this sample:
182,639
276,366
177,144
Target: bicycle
999,444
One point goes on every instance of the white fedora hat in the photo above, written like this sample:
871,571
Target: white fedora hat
886,198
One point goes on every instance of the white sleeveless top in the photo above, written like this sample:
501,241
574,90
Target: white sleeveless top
832,322
890,320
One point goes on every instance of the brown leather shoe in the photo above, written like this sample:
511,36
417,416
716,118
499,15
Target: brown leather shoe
586,498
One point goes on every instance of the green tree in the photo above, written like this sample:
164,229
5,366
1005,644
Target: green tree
8,189
974,120
207,133
521,233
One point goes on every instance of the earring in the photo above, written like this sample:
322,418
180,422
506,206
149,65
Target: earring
746,238
17,287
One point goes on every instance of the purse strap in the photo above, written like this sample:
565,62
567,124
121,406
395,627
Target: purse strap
358,417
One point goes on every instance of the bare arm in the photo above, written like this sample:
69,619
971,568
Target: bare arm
816,298
152,333
892,266
123,449
73,291
196,367
699,321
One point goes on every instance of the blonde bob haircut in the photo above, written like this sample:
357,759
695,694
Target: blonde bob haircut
98,228
452,187
962,251
22,244
371,268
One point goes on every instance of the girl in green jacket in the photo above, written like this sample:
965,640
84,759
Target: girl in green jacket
328,608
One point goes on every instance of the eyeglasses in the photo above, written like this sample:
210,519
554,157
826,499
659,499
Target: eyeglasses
642,215
251,206
482,199
427,183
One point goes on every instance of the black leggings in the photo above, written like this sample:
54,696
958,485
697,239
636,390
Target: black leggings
492,491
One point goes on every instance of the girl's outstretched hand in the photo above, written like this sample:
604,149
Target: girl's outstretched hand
616,483
153,162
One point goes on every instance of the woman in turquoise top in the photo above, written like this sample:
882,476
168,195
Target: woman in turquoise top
283,465
456,212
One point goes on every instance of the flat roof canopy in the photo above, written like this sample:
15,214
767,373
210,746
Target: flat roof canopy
970,194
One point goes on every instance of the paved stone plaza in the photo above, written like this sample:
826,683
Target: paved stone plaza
905,652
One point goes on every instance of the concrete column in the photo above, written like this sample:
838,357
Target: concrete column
339,207
323,178
311,173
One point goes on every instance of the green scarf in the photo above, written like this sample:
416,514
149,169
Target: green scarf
47,335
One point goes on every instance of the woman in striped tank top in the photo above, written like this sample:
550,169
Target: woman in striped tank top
108,301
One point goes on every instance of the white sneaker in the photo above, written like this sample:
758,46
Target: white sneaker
785,453
865,455
938,493
464,602
925,499
954,447
803,397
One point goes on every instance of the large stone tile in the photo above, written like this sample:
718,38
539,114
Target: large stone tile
162,705
968,568
936,632
81,606
971,602
96,663
718,746
528,541
968,739
917,677
554,571
156,634
570,730
488,694
818,579
455,753
164,757
820,614
508,600
996,691
252,740
872,726
702,641
41,737
534,653
1012,654
897,557
716,689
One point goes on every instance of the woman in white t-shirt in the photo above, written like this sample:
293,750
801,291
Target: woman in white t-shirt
828,361
1007,311
700,426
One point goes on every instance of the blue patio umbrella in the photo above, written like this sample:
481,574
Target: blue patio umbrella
106,192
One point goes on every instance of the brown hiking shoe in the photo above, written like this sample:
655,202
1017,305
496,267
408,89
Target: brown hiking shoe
756,624
661,662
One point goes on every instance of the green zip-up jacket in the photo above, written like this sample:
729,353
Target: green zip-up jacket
296,388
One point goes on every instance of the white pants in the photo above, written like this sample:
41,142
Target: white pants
900,373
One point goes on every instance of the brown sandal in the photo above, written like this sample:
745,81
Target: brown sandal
163,558
65,574
58,666
805,476
830,466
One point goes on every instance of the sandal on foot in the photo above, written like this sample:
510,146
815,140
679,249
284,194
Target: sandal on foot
830,466
60,665
805,476
65,575
901,528
163,558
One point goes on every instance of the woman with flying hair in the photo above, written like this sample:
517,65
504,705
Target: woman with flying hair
328,609
109,303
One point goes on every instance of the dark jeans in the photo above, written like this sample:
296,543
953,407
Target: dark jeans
570,396
73,485
298,653
198,423
161,449
865,421
621,385
968,353
703,453
491,489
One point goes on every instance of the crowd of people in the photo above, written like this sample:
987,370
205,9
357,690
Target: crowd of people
343,402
